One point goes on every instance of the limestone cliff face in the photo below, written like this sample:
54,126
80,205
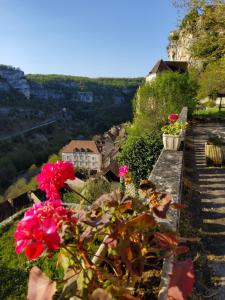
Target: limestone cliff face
4,86
14,78
62,88
179,45
181,40
40,91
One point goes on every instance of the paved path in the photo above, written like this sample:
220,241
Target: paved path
210,183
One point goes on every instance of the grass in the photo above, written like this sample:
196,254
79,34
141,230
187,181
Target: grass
211,112
15,268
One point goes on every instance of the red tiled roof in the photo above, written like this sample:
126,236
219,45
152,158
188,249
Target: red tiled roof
82,146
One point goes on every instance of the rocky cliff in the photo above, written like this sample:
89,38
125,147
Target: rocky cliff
61,87
179,45
181,40
200,38
12,78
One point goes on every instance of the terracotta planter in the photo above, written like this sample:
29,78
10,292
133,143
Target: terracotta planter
171,142
215,154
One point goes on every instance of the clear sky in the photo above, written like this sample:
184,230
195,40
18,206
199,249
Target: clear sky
113,38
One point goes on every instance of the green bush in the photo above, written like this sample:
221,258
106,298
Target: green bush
155,100
94,188
71,197
140,154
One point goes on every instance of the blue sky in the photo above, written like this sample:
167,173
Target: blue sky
113,38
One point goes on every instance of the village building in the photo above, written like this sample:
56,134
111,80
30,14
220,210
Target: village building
83,154
162,66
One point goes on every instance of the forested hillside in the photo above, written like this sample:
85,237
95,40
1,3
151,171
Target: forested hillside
78,107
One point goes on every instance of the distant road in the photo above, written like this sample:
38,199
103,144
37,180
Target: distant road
27,130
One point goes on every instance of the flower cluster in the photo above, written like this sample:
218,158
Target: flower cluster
123,171
173,118
40,227
53,176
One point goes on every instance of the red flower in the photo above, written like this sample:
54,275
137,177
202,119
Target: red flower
53,176
173,118
39,230
123,171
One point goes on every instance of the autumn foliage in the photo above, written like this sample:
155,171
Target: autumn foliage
103,247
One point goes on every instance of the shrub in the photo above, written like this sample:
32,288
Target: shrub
155,100
94,188
140,154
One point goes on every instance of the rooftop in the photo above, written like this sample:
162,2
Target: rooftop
174,66
81,146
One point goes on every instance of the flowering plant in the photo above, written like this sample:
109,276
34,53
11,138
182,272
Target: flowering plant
102,248
53,176
173,118
174,128
123,171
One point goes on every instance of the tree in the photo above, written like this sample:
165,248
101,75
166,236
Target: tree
186,6
208,43
212,82
168,93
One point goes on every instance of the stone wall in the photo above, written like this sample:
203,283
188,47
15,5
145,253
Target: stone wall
167,175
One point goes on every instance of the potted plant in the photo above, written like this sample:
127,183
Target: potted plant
101,248
215,151
173,135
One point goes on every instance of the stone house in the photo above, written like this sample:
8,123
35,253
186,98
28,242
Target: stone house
83,154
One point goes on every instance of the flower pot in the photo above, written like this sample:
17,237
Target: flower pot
215,154
171,142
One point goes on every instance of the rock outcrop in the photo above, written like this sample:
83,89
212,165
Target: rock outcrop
62,87
40,91
15,79
179,45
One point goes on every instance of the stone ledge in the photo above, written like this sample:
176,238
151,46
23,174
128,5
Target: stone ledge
167,176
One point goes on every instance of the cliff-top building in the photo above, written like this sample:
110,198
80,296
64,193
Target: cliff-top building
162,65
83,154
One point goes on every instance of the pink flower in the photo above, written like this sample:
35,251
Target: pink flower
53,176
173,118
123,171
40,228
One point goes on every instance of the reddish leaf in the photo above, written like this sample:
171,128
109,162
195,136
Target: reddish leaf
178,205
40,287
166,241
125,206
132,257
182,249
142,221
111,241
182,280
162,208
100,221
